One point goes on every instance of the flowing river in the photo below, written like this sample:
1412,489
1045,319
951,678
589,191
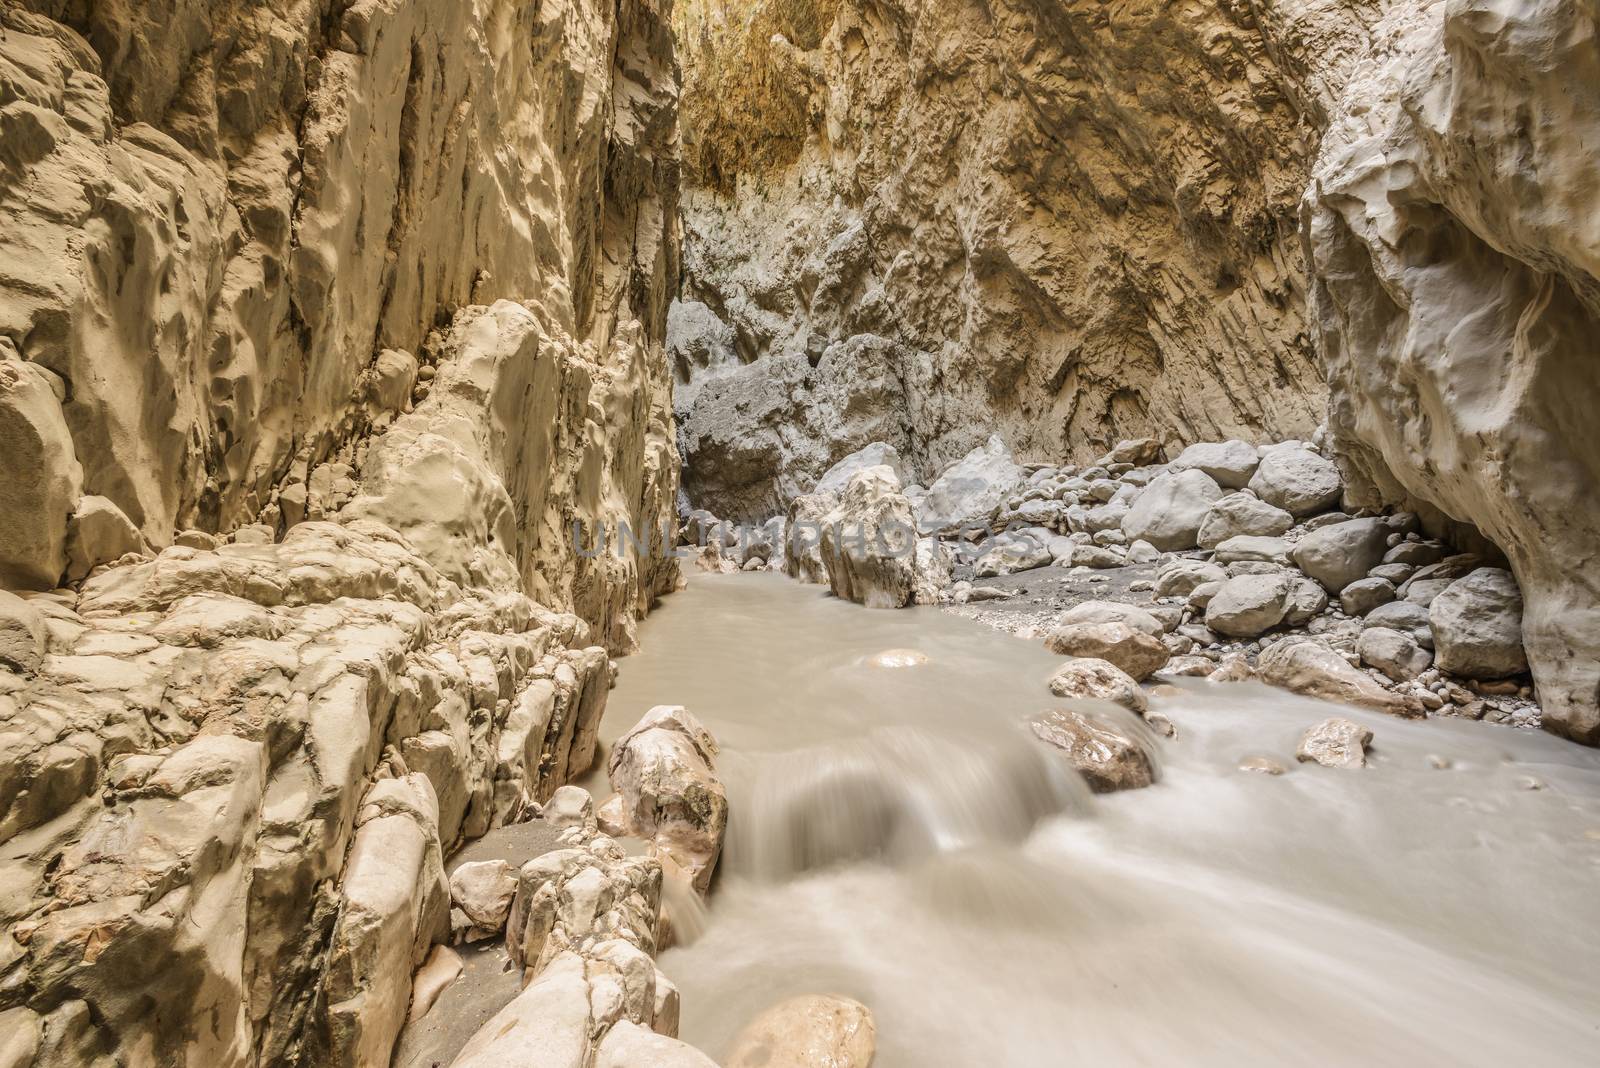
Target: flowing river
896,838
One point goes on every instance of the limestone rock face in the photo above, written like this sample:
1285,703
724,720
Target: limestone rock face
231,254
1469,132
1110,254
383,288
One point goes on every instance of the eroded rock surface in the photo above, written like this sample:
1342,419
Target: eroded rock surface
321,324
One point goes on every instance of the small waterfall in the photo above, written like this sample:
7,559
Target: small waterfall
894,795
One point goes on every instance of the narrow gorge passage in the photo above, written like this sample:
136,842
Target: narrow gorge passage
1421,913
799,533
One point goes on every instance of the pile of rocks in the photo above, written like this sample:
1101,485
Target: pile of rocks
1242,555
583,920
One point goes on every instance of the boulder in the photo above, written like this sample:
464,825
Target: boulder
1229,463
1113,612
878,454
631,1045
1393,652
1249,605
1363,595
802,556
1307,600
1098,680
869,542
1134,651
1247,548
1107,759
98,533
1477,626
972,489
1404,616
482,891
664,768
1181,577
40,479
1240,514
22,634
1299,481
1309,667
1341,553
1335,743
1012,553
1169,511
811,1031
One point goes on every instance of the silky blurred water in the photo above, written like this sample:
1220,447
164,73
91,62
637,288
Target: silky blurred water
896,838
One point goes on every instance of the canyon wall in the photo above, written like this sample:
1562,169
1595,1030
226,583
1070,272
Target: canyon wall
925,221
321,324
1453,231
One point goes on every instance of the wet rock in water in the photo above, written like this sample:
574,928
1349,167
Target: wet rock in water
1234,667
971,490
1363,595
1242,514
1393,652
1134,651
1086,677
1292,477
1307,666
1335,743
897,658
612,817
1188,667
482,891
1229,463
1249,605
1477,626
933,567
1107,759
811,1031
1342,553
1169,511
802,556
664,768
1263,765
1113,612
869,542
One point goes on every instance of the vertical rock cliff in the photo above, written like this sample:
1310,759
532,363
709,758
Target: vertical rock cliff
923,221
321,325
1453,229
